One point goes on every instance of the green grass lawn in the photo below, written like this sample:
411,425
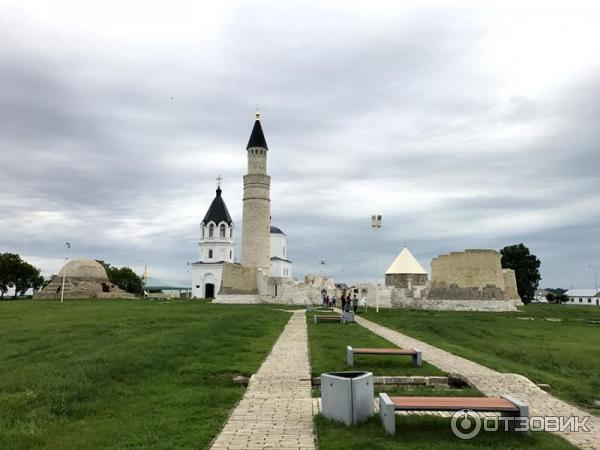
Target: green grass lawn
328,343
121,374
425,433
554,344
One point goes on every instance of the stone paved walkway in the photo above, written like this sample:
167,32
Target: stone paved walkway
276,411
493,383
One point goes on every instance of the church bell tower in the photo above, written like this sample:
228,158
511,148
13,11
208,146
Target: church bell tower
257,204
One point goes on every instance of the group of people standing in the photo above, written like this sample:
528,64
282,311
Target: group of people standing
348,303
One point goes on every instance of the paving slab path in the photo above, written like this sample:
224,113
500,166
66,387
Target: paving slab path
276,412
493,383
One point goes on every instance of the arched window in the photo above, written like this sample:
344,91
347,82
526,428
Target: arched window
223,230
210,253
230,254
211,231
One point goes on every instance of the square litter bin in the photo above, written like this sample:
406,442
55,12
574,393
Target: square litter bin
347,397
348,317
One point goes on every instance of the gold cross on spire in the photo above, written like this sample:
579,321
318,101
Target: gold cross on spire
219,179
257,112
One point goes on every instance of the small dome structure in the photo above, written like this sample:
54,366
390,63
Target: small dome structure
275,230
83,278
84,268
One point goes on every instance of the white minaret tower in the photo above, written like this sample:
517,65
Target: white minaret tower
256,221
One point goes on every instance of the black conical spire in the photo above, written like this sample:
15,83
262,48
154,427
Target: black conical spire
257,137
217,212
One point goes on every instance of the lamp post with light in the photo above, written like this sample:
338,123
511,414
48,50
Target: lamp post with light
189,296
376,225
62,289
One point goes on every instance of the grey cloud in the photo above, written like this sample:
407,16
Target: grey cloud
354,108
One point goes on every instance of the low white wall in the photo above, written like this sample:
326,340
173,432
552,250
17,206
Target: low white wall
239,299
458,305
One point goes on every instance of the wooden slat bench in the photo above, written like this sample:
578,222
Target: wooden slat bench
327,318
417,356
505,405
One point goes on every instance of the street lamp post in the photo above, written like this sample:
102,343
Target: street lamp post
188,271
595,277
62,289
322,264
144,281
376,225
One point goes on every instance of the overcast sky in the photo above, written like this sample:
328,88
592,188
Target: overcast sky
465,126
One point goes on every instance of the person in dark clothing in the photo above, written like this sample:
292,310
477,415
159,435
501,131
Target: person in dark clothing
343,300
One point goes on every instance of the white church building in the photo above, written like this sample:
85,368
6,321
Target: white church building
216,247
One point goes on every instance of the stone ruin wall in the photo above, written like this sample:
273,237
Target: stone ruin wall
468,275
471,268
494,288
273,290
401,280
510,284
238,280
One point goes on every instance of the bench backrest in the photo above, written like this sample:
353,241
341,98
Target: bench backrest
384,351
482,404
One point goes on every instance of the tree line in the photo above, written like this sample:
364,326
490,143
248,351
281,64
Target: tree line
18,274
527,269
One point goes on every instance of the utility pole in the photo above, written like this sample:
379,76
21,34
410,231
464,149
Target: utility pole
189,296
62,289
376,225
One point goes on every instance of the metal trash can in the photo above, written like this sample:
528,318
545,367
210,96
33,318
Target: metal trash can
347,397
348,317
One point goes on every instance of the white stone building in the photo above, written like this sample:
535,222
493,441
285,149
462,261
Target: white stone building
281,266
405,272
540,296
216,247
587,297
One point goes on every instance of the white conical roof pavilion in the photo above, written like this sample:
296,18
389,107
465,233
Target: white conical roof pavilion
405,262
